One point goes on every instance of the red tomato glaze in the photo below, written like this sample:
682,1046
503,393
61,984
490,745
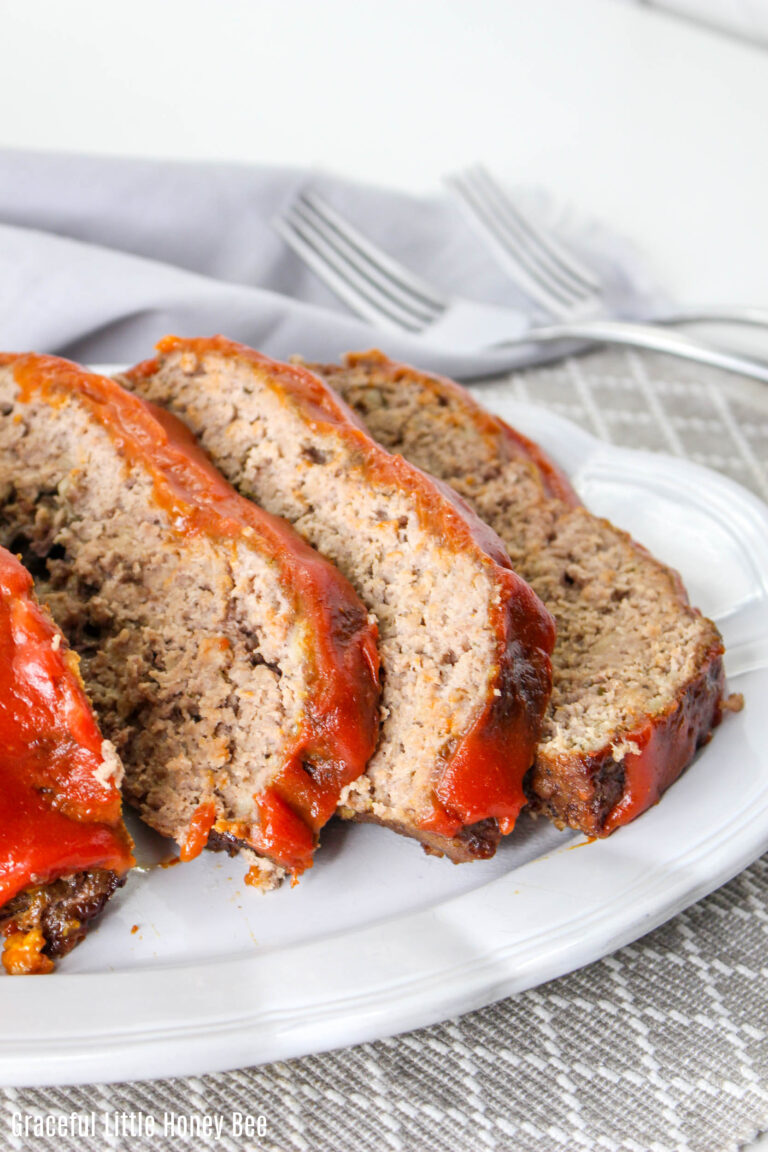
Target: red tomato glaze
56,816
341,725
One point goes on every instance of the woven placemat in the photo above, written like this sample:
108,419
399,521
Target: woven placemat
661,1047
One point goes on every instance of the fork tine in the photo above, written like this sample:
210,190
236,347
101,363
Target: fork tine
511,238
548,245
360,265
388,271
535,283
534,271
522,246
345,280
396,300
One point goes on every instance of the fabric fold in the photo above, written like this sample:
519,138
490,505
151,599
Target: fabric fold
100,257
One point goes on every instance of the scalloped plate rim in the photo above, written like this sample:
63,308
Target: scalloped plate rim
180,1019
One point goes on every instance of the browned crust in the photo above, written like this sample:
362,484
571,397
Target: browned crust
586,792
474,841
62,910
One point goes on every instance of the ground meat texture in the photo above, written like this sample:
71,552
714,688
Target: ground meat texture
637,672
232,667
464,643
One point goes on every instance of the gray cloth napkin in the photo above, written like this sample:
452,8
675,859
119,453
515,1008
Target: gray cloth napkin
101,257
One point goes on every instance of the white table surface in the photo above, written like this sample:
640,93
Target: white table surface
656,126
653,124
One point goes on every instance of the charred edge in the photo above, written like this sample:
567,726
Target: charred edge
61,910
226,842
474,842
606,780
587,794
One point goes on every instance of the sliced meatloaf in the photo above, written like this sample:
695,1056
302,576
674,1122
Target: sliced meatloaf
63,845
234,669
464,643
638,675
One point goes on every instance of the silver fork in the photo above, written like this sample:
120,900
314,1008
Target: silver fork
383,291
546,269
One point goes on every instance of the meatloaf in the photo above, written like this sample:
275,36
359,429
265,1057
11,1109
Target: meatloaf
465,645
234,668
638,675
63,845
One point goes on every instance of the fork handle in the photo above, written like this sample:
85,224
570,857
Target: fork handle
647,336
714,314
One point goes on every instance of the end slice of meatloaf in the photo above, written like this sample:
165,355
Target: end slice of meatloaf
63,846
464,643
638,676
233,667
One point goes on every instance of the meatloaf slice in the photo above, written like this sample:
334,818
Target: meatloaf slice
638,675
63,845
235,670
464,643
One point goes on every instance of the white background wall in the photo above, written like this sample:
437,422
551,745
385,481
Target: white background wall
745,18
651,123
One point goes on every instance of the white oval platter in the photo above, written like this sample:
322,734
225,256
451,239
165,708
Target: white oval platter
190,971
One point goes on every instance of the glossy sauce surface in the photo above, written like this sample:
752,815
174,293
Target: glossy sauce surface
483,776
340,724
56,816
667,743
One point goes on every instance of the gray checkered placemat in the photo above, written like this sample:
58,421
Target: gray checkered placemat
662,1047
